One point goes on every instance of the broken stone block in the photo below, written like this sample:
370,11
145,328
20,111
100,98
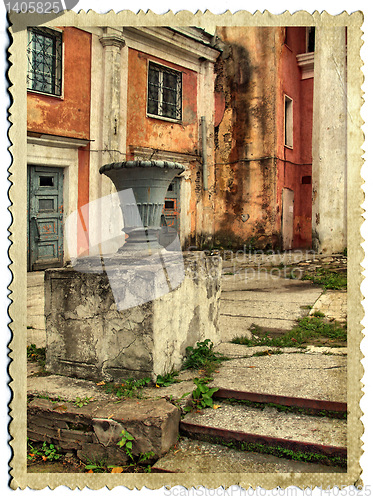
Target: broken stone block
95,430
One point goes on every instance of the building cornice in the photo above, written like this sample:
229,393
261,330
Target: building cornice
172,42
306,64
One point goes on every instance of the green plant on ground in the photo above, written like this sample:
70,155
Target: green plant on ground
98,467
202,395
36,354
318,314
79,402
47,451
167,379
328,279
129,388
307,329
202,357
345,252
126,442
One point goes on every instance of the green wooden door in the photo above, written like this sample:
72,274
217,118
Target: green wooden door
45,214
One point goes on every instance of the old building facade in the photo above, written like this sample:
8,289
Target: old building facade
242,109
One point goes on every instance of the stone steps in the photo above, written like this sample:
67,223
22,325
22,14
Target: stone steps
197,456
250,424
242,438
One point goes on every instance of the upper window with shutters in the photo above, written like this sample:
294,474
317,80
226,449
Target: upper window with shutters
44,56
164,92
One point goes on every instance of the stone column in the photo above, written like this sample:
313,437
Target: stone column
112,42
329,142
206,105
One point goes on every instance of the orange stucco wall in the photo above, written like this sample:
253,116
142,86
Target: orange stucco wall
157,133
295,164
144,131
245,171
68,115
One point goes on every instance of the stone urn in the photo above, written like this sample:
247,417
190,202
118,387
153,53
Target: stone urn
149,181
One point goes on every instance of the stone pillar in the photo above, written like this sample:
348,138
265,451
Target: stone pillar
112,42
329,142
206,106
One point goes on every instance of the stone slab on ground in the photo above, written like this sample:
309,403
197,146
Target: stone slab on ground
192,456
273,423
64,388
94,430
302,375
333,304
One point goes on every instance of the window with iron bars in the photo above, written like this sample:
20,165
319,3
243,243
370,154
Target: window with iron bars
44,54
164,92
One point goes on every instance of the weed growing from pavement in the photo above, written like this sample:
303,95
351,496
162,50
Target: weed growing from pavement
285,409
126,442
167,379
202,357
202,395
308,329
328,279
80,402
129,388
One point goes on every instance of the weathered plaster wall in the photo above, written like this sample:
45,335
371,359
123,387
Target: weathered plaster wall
68,115
164,135
157,133
245,138
295,164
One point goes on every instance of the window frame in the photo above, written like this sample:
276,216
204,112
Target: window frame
179,93
288,122
59,64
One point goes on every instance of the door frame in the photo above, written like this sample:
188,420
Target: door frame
32,169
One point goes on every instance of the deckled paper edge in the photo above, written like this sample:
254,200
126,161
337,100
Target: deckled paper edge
17,311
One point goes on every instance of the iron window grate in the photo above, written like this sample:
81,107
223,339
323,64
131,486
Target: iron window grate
164,92
44,54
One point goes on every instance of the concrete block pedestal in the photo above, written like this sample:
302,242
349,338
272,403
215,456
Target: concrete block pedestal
124,322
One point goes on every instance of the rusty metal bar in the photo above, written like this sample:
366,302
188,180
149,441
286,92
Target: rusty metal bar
314,404
198,431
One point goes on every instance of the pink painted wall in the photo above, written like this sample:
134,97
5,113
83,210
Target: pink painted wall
295,164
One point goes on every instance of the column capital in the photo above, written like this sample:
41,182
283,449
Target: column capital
113,40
